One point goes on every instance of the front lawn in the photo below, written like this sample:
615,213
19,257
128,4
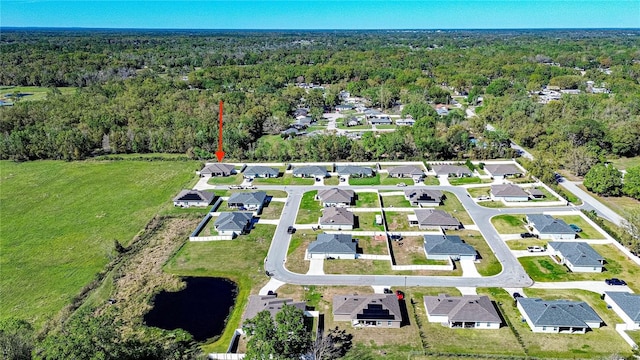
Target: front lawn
479,191
367,200
387,180
466,180
310,208
226,180
489,264
509,224
365,181
395,201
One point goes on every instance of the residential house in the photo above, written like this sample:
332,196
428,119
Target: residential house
336,197
536,193
372,113
257,171
233,223
217,169
433,219
424,197
336,218
335,246
271,303
252,201
442,110
291,132
445,247
558,316
381,120
344,107
187,198
547,227
467,311
508,192
300,113
447,170
354,171
501,171
578,256
406,171
311,172
405,122
302,123
626,305
375,310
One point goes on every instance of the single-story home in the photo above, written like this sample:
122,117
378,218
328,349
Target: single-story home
547,227
336,218
302,122
442,110
626,305
501,171
558,316
216,169
257,171
252,201
445,247
354,171
406,171
291,132
372,113
344,107
381,120
467,311
336,197
536,193
187,198
451,170
300,112
433,219
419,197
336,246
233,223
508,192
271,303
375,310
311,172
405,122
578,256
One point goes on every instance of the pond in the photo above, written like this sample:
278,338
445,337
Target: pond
201,308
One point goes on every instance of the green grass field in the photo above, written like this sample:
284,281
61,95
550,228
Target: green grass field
509,224
367,200
60,220
374,180
32,93
466,180
287,179
310,209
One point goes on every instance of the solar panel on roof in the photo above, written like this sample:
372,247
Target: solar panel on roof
191,197
375,311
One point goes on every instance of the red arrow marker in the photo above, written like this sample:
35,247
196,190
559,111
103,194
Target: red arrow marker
220,153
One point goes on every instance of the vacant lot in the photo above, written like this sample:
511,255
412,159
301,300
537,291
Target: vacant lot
522,244
60,219
410,251
398,221
358,266
453,206
395,201
386,180
331,181
479,191
367,200
588,231
295,255
240,260
468,180
367,221
372,245
272,211
374,180
309,211
509,224
594,344
286,179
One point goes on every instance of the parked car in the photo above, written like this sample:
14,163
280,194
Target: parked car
395,237
484,197
400,295
614,281
388,291
516,295
528,235
401,184
535,249
291,230
236,187
575,227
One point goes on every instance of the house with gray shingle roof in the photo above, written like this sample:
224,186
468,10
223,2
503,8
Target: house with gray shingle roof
445,247
626,305
508,192
258,171
233,223
501,171
270,303
547,227
336,197
467,311
253,201
406,171
420,197
578,256
336,218
433,219
375,310
336,246
354,171
187,198
451,170
217,169
558,316
311,171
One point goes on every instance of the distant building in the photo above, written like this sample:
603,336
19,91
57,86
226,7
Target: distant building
217,169
257,171
501,171
311,172
406,171
451,170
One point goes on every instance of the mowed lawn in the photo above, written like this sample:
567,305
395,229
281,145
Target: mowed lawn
60,220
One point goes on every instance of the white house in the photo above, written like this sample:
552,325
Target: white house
626,305
187,198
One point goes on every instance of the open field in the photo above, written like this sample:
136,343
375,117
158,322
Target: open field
240,260
619,204
309,211
543,268
624,163
60,219
489,264
509,224
588,231
367,200
31,93
395,201
598,343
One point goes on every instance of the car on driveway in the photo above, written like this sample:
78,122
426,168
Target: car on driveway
528,235
291,230
575,227
484,197
535,249
614,281
401,184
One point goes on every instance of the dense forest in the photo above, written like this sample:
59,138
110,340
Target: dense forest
152,91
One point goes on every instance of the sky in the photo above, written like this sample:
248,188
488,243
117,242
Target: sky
316,14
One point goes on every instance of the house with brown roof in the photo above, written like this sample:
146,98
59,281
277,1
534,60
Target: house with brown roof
336,197
508,192
217,169
271,303
447,170
501,171
187,198
467,311
336,218
375,310
430,219
407,171
424,197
